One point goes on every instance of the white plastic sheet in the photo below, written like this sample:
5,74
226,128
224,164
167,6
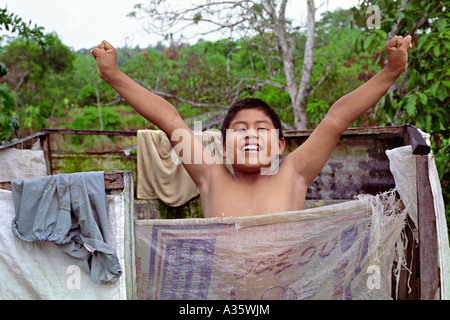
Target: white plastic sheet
39,270
21,164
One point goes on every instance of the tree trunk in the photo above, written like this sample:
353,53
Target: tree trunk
298,93
271,16
287,50
301,98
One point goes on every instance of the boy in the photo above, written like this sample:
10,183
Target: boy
248,141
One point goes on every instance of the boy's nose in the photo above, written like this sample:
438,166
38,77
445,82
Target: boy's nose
251,133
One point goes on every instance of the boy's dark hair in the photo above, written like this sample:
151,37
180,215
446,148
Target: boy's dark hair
251,103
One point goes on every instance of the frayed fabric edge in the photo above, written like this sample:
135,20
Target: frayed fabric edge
388,221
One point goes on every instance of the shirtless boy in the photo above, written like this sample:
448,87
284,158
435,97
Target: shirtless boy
248,140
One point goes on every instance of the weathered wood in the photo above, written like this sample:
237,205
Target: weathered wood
352,131
5,185
418,144
20,141
91,132
46,148
428,250
422,257
113,181
408,282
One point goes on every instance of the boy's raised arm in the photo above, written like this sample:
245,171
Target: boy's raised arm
351,106
152,107
310,157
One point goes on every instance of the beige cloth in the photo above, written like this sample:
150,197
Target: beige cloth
158,176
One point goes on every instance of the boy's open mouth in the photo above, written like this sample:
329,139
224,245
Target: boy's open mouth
251,147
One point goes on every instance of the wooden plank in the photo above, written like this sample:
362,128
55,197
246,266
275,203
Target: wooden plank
418,144
20,141
408,286
424,255
428,250
113,181
91,132
5,185
351,131
46,148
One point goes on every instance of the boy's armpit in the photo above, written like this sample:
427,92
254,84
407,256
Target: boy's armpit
309,158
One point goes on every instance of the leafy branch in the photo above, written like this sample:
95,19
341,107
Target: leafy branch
9,123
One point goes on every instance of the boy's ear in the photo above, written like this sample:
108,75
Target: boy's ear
281,146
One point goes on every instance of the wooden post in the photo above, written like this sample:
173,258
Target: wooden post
428,250
409,280
422,251
418,144
46,147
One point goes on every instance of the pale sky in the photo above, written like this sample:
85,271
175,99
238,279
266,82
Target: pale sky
85,23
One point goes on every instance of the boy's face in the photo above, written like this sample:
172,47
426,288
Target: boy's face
252,141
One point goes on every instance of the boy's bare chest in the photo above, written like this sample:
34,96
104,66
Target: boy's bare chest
232,198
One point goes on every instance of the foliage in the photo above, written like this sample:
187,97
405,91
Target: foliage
193,73
89,119
12,22
341,70
117,117
36,69
421,95
441,148
9,124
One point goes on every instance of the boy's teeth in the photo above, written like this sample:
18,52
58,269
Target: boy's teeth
251,148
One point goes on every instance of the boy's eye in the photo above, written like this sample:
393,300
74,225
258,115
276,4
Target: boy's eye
263,129
240,130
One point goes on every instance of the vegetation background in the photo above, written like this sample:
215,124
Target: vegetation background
44,84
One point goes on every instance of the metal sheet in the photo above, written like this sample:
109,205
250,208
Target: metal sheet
357,165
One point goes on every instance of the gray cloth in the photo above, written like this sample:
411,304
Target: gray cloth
69,210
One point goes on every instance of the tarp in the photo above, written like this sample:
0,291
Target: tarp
343,251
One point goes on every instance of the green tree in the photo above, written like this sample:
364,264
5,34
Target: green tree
420,97
421,94
248,18
9,124
338,69
37,76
